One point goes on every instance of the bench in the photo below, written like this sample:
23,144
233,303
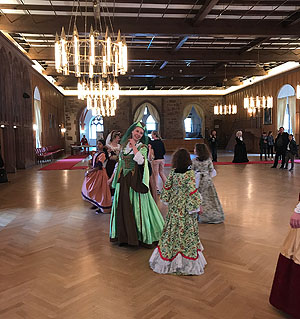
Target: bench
47,153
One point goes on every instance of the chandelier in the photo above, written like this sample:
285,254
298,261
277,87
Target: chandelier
101,97
225,109
253,104
96,58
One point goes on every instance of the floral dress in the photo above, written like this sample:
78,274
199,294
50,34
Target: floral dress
179,249
212,208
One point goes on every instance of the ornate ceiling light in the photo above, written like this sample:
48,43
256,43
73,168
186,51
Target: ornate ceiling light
96,59
220,109
253,104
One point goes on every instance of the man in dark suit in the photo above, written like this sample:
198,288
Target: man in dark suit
281,143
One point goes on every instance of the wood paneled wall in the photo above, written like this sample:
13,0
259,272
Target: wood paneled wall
17,82
271,87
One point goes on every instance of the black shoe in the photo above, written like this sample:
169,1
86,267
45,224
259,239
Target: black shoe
281,167
291,169
285,167
93,207
98,211
273,166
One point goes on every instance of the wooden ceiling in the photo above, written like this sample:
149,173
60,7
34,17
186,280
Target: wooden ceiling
172,44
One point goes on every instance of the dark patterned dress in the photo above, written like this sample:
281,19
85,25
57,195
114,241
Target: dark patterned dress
179,249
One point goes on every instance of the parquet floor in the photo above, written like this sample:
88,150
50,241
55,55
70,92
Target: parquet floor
56,260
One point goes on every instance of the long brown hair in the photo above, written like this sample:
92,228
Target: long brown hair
181,159
202,151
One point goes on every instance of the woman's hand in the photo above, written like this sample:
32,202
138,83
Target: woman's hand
295,220
131,142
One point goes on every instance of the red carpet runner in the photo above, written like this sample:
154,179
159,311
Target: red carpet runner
66,163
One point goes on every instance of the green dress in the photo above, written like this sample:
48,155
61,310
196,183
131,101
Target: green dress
179,249
135,217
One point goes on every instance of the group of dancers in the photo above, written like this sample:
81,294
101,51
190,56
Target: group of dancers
122,168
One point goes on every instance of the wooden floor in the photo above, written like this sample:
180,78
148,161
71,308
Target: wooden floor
56,260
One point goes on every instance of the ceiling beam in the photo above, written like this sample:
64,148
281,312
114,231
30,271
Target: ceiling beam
204,11
293,19
71,82
184,72
154,26
179,44
252,44
140,55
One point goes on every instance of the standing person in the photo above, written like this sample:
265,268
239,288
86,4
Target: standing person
240,152
270,144
158,162
95,187
291,151
3,174
179,250
286,285
113,149
203,167
263,145
213,144
83,142
281,143
135,217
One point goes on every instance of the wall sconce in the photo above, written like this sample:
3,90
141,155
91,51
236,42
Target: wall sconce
15,126
2,126
35,127
63,130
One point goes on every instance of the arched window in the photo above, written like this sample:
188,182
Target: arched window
37,122
148,114
193,125
97,127
286,108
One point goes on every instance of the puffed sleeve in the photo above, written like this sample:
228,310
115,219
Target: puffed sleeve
167,188
193,201
297,209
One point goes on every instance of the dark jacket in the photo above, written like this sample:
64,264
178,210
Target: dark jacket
293,147
263,142
281,141
213,142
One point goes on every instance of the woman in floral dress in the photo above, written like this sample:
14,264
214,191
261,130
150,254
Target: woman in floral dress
135,218
203,167
179,250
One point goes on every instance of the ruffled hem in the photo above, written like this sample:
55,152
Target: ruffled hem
179,265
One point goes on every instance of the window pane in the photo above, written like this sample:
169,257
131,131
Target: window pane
93,128
188,125
150,123
146,111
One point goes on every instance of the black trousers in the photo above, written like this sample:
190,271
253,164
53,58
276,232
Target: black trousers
270,150
280,152
214,153
289,156
263,150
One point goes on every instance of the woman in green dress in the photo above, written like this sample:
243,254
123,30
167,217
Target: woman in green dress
135,218
179,250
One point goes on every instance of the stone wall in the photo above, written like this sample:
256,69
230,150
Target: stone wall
170,110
